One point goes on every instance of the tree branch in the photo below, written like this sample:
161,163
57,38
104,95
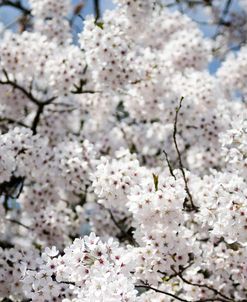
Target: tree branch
37,118
161,292
97,11
169,164
41,104
16,4
19,223
30,96
202,286
123,231
12,121
192,206
177,297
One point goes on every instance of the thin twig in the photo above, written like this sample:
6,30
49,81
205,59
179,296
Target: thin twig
30,96
161,292
181,167
97,11
169,164
182,270
37,118
84,91
177,297
12,121
19,223
41,104
226,9
124,233
223,16
202,286
16,4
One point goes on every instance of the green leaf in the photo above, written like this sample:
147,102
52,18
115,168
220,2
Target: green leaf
100,24
37,246
156,181
165,278
235,246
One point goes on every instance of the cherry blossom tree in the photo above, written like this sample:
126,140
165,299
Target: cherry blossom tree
123,159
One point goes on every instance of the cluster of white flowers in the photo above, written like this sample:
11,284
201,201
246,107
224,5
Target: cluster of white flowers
123,160
17,55
112,180
244,4
65,70
88,270
50,19
50,8
19,153
234,146
233,74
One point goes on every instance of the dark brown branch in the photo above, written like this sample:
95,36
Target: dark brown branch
16,4
226,10
76,12
222,20
192,206
9,188
12,121
161,292
97,11
30,96
84,91
19,223
123,231
169,164
6,245
9,300
41,104
177,297
37,118
202,286
181,271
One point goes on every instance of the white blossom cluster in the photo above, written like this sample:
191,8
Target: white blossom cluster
123,160
77,274
234,145
50,19
232,74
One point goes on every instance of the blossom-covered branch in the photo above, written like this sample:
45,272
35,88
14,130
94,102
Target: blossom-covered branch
123,158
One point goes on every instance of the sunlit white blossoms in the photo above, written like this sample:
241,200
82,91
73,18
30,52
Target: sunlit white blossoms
234,146
123,158
88,270
112,180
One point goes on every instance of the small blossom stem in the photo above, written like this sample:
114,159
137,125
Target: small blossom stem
19,223
169,164
124,233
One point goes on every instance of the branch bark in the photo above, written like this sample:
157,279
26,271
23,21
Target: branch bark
192,206
16,4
